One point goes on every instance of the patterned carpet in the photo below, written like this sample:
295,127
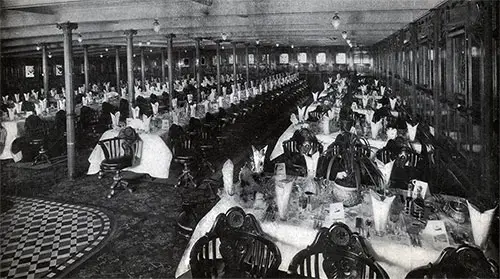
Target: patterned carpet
45,239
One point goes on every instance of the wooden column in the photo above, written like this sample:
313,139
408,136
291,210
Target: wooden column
45,70
162,59
413,67
235,71
170,59
67,28
130,64
487,97
437,71
257,63
143,70
117,65
198,70
86,67
217,43
247,66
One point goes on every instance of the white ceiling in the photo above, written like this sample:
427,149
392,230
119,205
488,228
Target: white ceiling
26,23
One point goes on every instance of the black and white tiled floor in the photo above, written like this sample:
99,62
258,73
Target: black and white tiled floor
44,239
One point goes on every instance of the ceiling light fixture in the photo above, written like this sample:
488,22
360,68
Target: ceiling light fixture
336,21
150,50
100,55
222,47
80,38
344,34
156,25
277,45
134,55
107,49
140,43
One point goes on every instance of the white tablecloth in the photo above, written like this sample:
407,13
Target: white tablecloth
397,258
14,130
155,160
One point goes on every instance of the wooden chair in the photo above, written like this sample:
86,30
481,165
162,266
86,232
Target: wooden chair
462,262
235,247
119,153
338,253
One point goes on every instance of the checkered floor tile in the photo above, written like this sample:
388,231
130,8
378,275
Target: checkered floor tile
43,239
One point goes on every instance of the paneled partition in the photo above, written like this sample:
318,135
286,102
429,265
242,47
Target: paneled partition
445,65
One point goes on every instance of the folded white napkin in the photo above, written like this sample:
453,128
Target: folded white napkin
382,90
136,112
376,82
393,102
221,101
137,89
266,89
63,90
224,90
364,88
386,170
227,177
431,130
35,95
481,223
211,97
26,96
302,114
43,104
293,119
206,106
175,117
154,106
381,209
18,106
315,96
16,96
115,119
193,110
11,112
330,80
174,103
354,106
61,104
5,99
85,101
326,85
124,93
106,97
375,128
340,88
364,100
148,88
145,122
325,124
412,131
258,159
312,164
106,86
391,133
261,88
38,109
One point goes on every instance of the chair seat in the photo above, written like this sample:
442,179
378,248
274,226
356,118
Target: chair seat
183,158
116,164
205,147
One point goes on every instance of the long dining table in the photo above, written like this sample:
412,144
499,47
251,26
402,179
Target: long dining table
392,249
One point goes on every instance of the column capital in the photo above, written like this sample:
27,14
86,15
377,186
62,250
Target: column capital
170,36
130,32
66,26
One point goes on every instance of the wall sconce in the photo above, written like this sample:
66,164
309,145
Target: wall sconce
50,55
148,43
224,36
291,46
156,25
257,42
101,55
38,47
80,38
140,43
344,34
277,45
107,49
336,21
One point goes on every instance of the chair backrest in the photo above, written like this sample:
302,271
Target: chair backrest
290,147
462,262
120,148
315,115
237,240
384,155
336,253
183,145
